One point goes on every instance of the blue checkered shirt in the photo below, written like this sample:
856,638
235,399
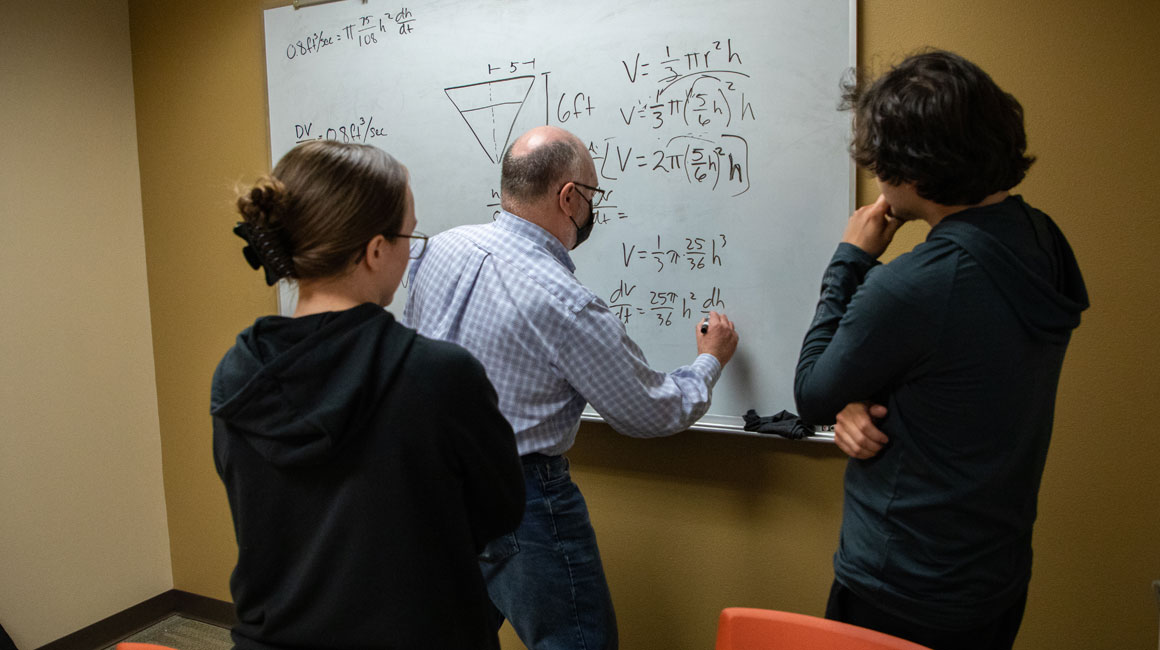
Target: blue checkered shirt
505,291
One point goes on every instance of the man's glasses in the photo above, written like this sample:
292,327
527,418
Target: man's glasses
597,193
418,243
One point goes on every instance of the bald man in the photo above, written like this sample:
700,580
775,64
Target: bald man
506,291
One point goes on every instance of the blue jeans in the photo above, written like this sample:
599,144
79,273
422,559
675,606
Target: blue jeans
546,577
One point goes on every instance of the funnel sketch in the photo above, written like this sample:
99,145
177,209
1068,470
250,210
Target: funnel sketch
490,109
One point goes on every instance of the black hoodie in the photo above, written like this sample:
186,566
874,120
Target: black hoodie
962,339
366,467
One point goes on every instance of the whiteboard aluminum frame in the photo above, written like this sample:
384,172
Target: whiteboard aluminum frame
718,424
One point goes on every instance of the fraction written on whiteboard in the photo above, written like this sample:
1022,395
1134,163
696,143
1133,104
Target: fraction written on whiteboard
659,306
364,31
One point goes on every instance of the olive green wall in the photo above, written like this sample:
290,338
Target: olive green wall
694,523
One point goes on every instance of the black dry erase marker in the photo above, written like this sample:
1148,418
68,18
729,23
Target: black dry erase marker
704,327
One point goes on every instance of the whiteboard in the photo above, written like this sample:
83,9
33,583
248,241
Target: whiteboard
713,126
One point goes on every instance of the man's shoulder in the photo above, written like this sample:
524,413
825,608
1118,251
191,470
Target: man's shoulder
526,264
459,235
558,282
487,238
925,271
930,255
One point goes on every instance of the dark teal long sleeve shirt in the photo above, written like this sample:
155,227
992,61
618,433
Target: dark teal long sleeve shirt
962,339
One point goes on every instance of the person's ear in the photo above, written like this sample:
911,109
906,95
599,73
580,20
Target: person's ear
564,198
375,254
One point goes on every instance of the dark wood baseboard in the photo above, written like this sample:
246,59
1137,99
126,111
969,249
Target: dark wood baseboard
204,609
121,625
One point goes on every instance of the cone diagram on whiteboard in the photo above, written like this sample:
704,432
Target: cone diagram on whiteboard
490,109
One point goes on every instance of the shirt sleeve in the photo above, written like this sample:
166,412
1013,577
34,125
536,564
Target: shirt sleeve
609,370
867,332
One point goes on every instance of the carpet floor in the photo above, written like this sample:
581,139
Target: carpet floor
184,634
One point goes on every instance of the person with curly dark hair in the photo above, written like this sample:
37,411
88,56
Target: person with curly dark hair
366,466
939,370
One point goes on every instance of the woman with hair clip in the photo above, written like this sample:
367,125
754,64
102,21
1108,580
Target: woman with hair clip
366,466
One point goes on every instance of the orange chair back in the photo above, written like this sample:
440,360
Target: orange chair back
742,628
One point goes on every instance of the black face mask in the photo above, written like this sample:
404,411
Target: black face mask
582,232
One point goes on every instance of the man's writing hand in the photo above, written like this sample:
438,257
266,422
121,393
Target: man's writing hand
720,339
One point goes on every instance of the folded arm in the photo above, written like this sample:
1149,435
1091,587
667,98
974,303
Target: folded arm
865,335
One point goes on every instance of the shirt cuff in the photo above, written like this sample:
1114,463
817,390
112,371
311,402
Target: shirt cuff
850,253
707,366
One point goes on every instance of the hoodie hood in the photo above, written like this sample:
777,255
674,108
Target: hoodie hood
1028,258
297,389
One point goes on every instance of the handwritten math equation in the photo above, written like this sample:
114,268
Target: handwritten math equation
697,88
604,210
714,163
691,254
363,31
661,306
704,88
361,129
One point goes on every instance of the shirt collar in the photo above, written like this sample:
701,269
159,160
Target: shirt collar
537,235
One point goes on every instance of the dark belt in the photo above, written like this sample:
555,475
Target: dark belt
537,459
